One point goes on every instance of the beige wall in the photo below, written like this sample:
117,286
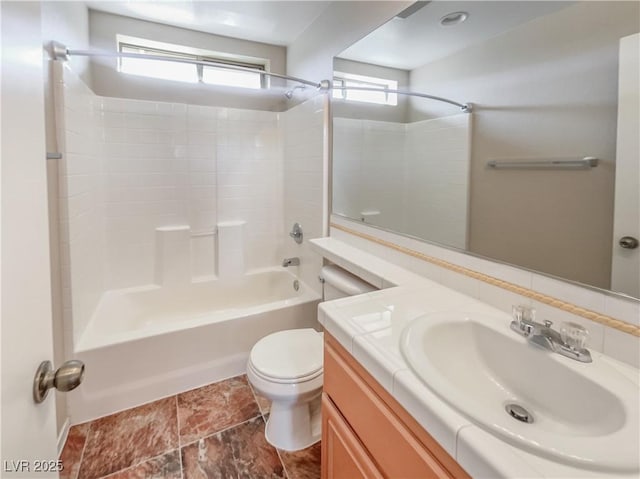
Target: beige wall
107,81
368,111
545,89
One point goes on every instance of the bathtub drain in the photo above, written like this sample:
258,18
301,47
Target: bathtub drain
296,285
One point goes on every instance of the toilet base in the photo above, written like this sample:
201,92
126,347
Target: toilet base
292,428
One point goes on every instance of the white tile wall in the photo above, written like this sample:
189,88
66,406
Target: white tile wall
250,163
374,159
169,164
82,244
130,167
302,133
146,175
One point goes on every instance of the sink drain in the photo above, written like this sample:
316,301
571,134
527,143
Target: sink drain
518,412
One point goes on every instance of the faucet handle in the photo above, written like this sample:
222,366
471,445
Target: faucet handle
517,312
523,319
574,335
523,314
296,233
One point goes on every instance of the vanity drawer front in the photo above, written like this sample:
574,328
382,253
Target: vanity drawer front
396,449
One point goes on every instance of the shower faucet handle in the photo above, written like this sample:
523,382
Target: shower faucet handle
296,233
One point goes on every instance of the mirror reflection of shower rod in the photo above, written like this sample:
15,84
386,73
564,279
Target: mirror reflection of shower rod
465,107
61,52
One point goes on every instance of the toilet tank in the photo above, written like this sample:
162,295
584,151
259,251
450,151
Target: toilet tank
339,283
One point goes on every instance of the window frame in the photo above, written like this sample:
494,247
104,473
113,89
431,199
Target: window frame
187,53
383,84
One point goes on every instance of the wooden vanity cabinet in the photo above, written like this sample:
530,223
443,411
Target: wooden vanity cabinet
366,433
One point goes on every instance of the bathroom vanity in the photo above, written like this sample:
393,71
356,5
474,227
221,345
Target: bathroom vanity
396,403
367,433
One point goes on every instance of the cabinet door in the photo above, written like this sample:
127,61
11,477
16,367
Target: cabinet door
400,446
343,457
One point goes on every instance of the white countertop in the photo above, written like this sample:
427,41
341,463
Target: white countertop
369,327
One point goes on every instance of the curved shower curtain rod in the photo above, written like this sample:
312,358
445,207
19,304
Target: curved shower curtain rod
61,52
465,107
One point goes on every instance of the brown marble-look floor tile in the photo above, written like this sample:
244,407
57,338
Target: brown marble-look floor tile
210,409
72,451
129,437
166,466
254,456
304,464
241,452
208,458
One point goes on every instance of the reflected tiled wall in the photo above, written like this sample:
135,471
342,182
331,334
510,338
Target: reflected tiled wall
398,172
369,168
436,183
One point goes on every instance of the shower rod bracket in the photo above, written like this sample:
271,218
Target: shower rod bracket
324,85
59,51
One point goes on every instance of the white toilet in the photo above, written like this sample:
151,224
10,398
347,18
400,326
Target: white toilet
286,368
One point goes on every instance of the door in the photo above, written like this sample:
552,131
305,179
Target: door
28,430
625,268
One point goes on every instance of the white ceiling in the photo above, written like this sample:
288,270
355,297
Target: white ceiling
420,39
274,22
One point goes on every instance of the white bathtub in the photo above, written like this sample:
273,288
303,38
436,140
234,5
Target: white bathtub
149,342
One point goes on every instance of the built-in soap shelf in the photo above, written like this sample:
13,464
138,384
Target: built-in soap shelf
173,252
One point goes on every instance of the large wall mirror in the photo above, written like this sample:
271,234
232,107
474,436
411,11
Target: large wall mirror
509,180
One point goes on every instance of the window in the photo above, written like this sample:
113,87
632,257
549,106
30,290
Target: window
349,79
189,72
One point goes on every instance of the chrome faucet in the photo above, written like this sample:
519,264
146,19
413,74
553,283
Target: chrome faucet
569,342
290,262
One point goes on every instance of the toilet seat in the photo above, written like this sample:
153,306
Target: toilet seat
287,357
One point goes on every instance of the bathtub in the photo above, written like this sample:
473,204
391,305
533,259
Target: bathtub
149,342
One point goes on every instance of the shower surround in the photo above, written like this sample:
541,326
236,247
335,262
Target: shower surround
389,174
157,200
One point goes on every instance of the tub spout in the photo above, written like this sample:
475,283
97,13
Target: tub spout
290,262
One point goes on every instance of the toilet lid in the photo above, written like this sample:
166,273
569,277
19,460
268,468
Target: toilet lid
291,354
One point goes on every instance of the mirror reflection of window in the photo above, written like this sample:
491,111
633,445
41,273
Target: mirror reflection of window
343,81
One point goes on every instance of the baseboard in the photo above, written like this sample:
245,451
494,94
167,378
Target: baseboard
62,437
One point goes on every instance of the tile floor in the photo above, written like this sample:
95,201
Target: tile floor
216,431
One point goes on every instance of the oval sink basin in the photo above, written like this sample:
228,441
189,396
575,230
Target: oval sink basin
582,414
